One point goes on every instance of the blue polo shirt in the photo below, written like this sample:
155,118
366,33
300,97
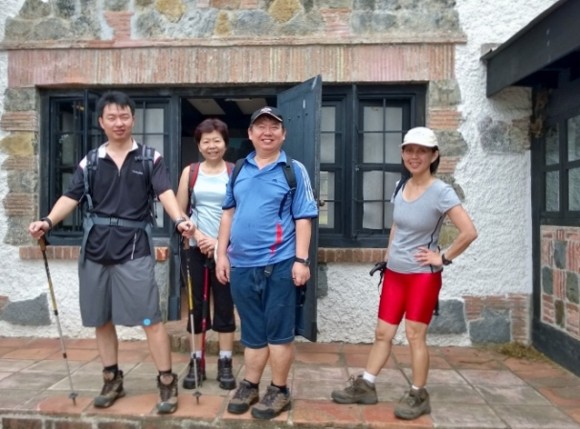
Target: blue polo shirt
263,230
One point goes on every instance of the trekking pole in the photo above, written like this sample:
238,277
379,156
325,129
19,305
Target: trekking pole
42,243
204,312
197,393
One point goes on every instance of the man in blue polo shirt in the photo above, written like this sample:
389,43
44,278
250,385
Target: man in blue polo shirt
263,252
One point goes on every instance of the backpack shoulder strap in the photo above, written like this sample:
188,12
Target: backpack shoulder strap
402,182
290,174
230,167
237,167
193,173
88,176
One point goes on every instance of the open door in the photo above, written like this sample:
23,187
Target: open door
301,107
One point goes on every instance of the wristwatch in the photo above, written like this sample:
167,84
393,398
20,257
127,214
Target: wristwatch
302,260
445,261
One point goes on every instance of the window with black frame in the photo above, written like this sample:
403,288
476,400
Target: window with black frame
561,167
73,130
360,161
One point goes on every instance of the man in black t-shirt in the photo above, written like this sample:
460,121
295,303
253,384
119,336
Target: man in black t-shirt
116,272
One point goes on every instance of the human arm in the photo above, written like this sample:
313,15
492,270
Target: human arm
391,238
300,271
222,268
467,234
183,191
61,209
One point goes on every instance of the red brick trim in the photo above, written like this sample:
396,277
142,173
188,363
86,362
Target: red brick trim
71,253
355,255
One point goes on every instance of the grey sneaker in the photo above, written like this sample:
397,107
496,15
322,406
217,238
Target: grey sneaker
167,395
358,391
225,374
111,391
189,379
244,398
413,404
272,404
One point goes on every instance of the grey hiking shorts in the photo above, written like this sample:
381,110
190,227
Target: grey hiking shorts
126,294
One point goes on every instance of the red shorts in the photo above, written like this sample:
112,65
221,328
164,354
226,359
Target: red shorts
413,295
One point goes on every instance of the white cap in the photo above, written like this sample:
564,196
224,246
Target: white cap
422,136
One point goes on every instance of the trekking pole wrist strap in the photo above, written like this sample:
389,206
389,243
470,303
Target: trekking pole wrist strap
48,221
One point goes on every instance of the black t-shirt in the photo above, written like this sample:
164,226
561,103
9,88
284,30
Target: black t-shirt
124,194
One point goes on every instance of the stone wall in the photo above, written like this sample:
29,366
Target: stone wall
560,265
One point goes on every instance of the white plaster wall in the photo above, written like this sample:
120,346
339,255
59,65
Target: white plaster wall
497,192
497,189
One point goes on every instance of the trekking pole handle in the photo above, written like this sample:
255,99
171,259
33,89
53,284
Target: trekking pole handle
379,266
42,244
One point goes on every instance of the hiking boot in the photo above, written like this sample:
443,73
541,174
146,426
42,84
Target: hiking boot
358,391
413,404
189,380
225,374
272,404
111,391
167,395
244,398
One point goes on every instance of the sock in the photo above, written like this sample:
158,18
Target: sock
252,385
196,354
168,372
369,377
225,354
113,368
415,388
283,389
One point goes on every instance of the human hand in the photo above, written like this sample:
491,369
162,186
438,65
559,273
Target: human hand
222,269
38,228
186,228
300,274
428,257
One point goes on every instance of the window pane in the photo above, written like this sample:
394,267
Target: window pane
573,139
377,190
382,134
327,148
327,131
552,145
552,191
326,212
574,189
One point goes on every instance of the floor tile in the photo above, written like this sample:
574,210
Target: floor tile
455,393
13,365
319,372
535,416
441,376
52,366
130,405
382,416
325,414
517,395
479,377
32,381
565,396
31,353
476,416
82,355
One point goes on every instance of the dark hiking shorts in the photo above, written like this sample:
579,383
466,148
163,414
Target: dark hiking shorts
126,294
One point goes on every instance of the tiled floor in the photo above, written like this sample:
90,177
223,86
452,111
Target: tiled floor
470,388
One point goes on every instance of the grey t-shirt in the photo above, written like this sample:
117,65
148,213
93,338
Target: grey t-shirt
417,224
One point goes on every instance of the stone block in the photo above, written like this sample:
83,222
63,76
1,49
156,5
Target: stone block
451,143
493,327
51,29
173,10
16,29
252,23
30,312
451,319
35,9
547,281
503,137
116,5
19,144
560,315
20,99
64,8
572,287
444,93
560,254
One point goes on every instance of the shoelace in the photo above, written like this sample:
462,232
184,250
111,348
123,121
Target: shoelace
242,391
270,396
351,383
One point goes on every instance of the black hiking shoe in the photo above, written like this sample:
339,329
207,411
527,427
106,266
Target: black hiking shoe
358,391
167,395
111,391
225,374
272,404
189,379
413,404
244,398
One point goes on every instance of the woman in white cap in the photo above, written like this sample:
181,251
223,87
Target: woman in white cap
412,278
